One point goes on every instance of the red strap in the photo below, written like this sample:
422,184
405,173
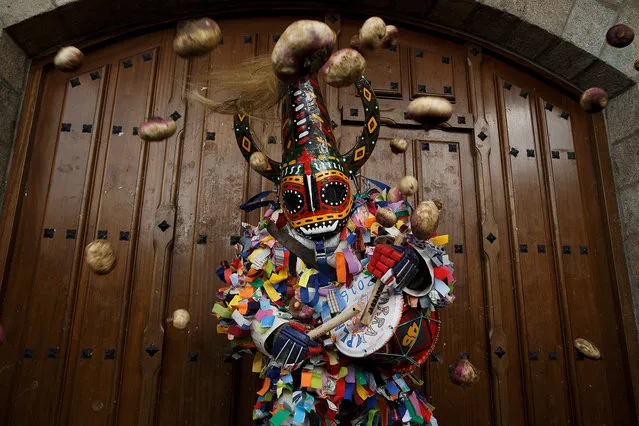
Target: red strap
297,326
339,390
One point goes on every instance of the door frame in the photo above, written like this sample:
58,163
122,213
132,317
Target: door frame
24,144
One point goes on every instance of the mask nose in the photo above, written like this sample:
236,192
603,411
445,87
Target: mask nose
312,198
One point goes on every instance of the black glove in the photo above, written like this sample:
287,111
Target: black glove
290,345
396,266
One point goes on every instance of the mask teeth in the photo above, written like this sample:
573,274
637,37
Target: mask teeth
320,228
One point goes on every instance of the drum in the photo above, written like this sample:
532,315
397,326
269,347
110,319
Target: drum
413,341
399,338
356,340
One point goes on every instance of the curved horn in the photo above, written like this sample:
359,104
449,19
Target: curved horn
355,158
248,146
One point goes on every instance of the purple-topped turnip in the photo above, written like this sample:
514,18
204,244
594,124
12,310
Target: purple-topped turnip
463,373
302,49
157,129
392,34
343,68
620,35
594,100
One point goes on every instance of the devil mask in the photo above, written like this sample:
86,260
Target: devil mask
313,176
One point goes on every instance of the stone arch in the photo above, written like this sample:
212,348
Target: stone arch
563,38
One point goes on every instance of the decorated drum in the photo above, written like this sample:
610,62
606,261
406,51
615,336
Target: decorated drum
356,340
399,338
413,341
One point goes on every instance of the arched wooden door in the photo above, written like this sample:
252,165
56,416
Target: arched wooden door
515,168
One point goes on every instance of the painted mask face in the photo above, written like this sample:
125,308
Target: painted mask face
314,192
316,204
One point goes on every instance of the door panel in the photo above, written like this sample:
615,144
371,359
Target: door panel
446,171
588,294
534,254
41,287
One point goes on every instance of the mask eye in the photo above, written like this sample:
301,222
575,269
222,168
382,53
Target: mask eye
293,201
334,193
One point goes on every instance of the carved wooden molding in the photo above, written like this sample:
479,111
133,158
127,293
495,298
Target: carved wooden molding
490,241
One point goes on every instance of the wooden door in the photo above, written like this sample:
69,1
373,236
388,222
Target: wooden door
516,168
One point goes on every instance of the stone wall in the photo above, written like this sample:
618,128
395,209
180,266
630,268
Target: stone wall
622,119
565,38
13,68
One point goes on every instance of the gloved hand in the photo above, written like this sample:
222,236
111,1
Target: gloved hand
291,345
396,266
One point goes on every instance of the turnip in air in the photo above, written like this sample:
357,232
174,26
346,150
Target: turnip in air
429,110
398,145
197,38
343,68
620,35
385,217
180,319
394,195
408,185
372,33
390,39
594,100
100,256
259,162
302,49
425,219
68,59
157,129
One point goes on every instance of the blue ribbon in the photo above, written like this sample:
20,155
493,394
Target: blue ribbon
378,184
255,202
220,274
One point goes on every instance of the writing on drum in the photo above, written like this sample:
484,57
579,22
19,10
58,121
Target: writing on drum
353,334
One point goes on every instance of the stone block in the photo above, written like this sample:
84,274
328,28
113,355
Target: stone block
12,11
551,15
6,150
625,161
490,24
629,206
621,115
13,63
624,59
514,7
600,74
63,2
529,40
565,59
450,13
631,244
587,25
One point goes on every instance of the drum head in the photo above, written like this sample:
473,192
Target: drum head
414,340
356,340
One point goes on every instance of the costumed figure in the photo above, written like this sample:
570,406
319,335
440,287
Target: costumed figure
337,308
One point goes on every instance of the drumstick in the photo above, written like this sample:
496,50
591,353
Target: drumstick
340,319
367,316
